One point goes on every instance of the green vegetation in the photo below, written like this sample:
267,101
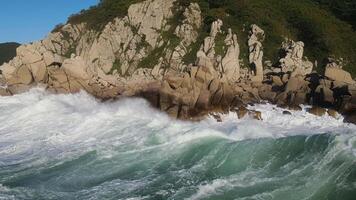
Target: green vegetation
327,27
7,51
220,44
98,16
116,66
152,58
343,9
323,32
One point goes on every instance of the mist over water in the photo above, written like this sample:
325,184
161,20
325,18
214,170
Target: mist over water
75,147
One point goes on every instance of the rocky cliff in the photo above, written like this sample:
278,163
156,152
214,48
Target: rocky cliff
145,54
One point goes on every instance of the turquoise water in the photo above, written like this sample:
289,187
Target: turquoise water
73,147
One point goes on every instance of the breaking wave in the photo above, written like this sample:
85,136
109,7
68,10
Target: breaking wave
75,147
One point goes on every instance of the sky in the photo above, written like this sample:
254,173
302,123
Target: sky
25,21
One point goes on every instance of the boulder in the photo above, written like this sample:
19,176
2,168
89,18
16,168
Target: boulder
287,112
337,74
317,111
293,60
22,75
76,67
39,71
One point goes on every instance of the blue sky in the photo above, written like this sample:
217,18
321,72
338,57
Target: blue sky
24,21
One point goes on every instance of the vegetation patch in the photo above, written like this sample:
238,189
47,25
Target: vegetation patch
327,27
116,66
96,17
7,51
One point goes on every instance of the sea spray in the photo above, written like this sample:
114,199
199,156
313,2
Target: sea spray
74,147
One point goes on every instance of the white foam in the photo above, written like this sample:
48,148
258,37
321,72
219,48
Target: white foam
40,126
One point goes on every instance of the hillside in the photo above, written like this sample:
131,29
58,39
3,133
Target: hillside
190,58
7,51
318,23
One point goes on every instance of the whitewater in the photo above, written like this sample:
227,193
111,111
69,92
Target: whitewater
73,146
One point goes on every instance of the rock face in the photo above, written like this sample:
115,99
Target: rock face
256,37
230,63
293,60
143,54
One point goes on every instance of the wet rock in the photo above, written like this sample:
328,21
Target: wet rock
241,112
287,112
333,113
317,111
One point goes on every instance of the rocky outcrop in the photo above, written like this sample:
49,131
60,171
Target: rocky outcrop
230,63
142,54
256,37
334,72
293,60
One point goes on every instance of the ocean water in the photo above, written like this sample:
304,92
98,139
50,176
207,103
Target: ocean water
75,147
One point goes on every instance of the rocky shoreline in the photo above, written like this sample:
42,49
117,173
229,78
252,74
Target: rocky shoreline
106,65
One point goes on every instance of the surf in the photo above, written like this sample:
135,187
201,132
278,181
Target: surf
72,146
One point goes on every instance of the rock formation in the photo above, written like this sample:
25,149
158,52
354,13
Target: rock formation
293,60
230,63
256,37
133,56
333,71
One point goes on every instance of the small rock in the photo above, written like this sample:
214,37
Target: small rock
256,114
317,111
287,112
333,113
217,117
295,108
241,112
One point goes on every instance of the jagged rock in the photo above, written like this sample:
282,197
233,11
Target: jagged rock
117,62
293,60
230,63
206,53
192,20
215,28
243,111
256,37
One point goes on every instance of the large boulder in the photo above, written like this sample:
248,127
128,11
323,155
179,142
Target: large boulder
338,74
76,67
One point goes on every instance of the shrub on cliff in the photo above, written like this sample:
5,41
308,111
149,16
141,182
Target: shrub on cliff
7,51
325,26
